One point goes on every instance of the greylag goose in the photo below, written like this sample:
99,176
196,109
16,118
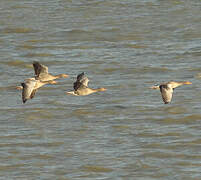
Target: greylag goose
81,86
30,86
167,89
41,72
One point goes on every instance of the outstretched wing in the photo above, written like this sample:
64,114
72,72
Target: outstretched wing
76,85
166,93
80,76
39,68
81,80
28,90
33,93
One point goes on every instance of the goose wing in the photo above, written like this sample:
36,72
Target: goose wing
166,93
81,80
80,76
76,85
28,90
39,68
33,93
85,81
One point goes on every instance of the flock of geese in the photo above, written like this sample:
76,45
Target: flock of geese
42,77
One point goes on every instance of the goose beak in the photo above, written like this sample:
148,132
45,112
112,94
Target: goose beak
154,87
103,89
19,87
53,82
65,75
188,82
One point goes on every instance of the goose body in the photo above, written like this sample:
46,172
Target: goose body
30,86
81,87
167,89
41,73
42,77
28,89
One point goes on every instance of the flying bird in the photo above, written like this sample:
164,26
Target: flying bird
30,86
167,89
41,73
42,77
81,86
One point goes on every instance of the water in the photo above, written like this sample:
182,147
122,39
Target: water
124,133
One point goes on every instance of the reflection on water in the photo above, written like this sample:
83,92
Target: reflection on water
124,133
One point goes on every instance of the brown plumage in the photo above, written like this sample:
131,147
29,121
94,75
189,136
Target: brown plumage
81,80
42,77
81,86
30,87
167,89
41,73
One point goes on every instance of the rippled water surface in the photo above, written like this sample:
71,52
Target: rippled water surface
124,133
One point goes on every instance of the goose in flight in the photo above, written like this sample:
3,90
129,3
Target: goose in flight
81,86
41,73
30,86
167,89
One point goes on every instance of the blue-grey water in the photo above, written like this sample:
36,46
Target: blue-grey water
123,133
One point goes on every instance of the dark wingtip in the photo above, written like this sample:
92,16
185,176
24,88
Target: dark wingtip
166,102
23,85
79,76
35,63
24,100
